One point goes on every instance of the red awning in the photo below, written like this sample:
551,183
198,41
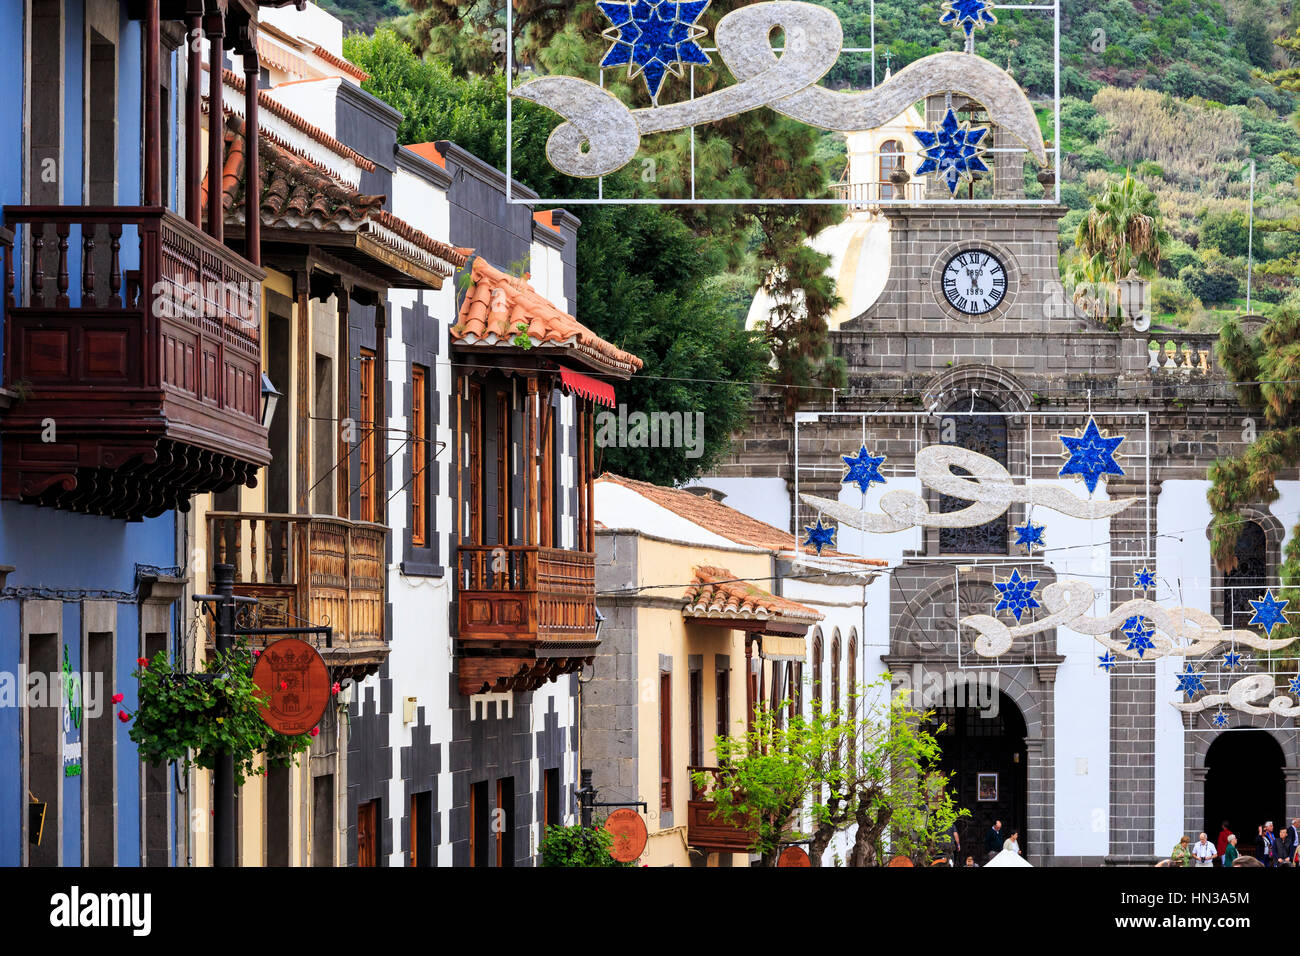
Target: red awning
588,387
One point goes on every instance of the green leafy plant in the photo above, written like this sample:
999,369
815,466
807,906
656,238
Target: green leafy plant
522,341
196,718
578,846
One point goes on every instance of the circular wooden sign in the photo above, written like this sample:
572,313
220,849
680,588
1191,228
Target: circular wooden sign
793,856
292,673
629,833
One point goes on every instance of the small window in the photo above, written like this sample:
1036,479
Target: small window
666,741
553,809
723,702
697,717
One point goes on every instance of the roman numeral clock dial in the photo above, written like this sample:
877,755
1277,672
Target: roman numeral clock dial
974,282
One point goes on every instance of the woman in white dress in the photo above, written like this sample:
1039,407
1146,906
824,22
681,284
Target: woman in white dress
1013,842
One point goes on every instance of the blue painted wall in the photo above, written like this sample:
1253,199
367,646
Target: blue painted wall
57,554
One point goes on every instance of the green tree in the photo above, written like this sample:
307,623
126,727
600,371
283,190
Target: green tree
577,846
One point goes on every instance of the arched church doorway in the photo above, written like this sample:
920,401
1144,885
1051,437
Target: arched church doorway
985,757
1244,785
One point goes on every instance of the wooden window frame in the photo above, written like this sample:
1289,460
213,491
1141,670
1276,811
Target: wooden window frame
503,467
722,701
419,455
695,682
475,426
666,741
366,459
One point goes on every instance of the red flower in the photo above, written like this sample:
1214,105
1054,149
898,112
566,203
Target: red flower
336,688
315,731
123,716
118,698
257,653
142,661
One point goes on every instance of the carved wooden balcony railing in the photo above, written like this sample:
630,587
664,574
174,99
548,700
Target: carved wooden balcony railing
526,615
310,570
134,341
705,828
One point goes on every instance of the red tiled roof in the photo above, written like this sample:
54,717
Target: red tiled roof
337,61
716,593
428,151
499,304
264,100
724,521
547,219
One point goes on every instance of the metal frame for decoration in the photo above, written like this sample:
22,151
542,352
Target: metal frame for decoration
600,134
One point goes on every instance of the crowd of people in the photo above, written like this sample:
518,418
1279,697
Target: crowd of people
1272,848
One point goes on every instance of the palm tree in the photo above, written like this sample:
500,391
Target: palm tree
1121,234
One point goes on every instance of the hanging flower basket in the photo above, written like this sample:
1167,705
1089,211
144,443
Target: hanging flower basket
195,718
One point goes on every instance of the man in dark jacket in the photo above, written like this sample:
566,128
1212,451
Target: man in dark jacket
993,839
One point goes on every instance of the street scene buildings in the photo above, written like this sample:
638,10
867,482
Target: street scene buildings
271,371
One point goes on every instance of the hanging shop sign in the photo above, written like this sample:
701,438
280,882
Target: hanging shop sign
629,833
293,676
794,856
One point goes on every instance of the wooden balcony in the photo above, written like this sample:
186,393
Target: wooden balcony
527,614
310,570
139,381
705,829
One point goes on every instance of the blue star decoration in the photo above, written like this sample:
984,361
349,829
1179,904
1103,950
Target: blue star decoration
1030,536
952,150
1268,612
1220,719
1090,455
819,535
1017,594
967,14
1108,661
654,39
1190,683
1295,686
864,469
1144,579
1231,660
1138,630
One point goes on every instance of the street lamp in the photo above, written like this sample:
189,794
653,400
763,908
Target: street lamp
270,398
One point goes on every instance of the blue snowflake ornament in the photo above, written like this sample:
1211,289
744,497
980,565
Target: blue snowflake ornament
1294,685
1138,630
1220,719
819,535
1017,594
968,14
1231,661
864,469
1144,579
1190,682
952,151
1108,661
1268,612
1089,455
1030,536
654,38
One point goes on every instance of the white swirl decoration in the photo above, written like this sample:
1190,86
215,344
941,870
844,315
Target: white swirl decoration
989,487
611,132
1241,695
1180,631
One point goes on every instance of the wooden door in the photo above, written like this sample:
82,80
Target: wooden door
368,834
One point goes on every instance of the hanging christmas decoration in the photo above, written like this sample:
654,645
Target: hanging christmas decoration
1242,695
986,484
1268,612
1220,719
864,469
1171,631
951,151
600,134
654,39
1190,682
1108,662
1017,594
1231,661
819,535
1030,536
1144,579
1090,455
968,14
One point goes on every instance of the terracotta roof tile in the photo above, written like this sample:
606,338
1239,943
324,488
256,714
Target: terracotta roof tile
728,522
716,593
337,61
499,306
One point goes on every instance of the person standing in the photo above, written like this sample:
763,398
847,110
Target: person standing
1204,852
993,839
1013,842
955,839
1286,847
1182,855
1270,844
1221,844
1230,854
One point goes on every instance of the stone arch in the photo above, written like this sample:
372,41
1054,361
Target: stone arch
1199,736
1274,533
994,383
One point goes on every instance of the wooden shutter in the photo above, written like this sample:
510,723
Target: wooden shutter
503,467
666,741
367,424
419,455
475,463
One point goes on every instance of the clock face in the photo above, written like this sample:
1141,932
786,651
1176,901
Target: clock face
974,282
